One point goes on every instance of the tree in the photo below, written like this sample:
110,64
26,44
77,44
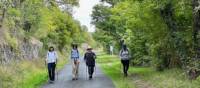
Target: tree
157,32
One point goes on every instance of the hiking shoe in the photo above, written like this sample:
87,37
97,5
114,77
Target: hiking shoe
51,82
125,75
90,77
73,78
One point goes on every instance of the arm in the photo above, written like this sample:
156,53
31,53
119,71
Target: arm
120,53
95,56
78,53
129,55
71,54
56,57
84,57
47,56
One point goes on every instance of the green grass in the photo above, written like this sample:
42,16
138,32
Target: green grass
171,78
26,73
111,67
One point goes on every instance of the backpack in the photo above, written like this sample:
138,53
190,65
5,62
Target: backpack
124,56
75,51
90,59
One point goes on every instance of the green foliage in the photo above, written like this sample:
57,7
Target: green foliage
44,21
157,32
11,41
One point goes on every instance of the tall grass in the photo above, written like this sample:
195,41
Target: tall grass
172,78
25,73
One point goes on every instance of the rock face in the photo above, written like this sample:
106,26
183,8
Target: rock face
27,49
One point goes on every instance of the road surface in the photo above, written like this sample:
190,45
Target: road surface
65,79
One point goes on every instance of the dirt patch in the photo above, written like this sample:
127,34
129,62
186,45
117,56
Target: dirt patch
139,83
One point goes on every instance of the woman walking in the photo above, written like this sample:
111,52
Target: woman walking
51,61
89,58
124,55
75,61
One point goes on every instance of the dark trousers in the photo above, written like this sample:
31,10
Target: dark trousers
125,66
90,70
51,70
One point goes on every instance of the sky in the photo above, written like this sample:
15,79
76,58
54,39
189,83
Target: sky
84,11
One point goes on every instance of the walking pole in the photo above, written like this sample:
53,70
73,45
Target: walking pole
46,69
86,71
121,68
95,71
57,73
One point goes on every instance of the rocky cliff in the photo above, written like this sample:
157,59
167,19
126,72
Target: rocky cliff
26,49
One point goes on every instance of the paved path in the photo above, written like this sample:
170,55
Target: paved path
65,79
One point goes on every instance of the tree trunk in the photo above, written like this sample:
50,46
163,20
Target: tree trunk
196,26
167,14
193,71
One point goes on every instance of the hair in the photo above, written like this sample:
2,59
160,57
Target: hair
74,46
89,48
125,47
51,47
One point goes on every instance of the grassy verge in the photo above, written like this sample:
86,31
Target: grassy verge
172,78
26,73
111,67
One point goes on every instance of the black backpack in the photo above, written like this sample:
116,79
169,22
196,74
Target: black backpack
90,59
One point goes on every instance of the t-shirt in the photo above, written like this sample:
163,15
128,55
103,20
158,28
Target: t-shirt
74,54
51,57
111,48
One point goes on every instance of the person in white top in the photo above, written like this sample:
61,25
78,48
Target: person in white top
51,61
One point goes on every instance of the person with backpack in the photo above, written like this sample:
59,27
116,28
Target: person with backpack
51,61
89,58
75,61
124,55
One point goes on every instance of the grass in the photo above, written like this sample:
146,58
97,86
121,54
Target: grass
26,73
171,78
111,67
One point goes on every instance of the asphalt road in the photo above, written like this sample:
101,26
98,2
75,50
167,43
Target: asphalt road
65,79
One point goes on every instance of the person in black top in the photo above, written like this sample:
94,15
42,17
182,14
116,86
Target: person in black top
90,61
